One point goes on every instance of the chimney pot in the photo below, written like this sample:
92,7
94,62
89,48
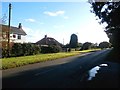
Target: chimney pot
45,36
20,25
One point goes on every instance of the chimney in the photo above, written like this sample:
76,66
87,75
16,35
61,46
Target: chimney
45,36
20,26
46,39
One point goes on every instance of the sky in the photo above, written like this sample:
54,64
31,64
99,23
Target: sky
57,20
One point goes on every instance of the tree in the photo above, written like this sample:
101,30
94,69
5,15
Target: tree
79,45
3,20
73,41
104,44
86,46
109,13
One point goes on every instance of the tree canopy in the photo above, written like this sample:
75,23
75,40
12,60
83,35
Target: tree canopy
73,41
86,46
108,12
104,44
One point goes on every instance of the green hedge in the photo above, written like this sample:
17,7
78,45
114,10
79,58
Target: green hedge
24,49
50,49
4,52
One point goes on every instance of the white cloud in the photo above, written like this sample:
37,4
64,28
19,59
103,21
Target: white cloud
30,20
57,13
33,35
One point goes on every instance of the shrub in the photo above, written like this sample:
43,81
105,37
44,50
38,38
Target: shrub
104,44
36,49
4,52
50,49
24,49
16,50
55,49
30,49
86,46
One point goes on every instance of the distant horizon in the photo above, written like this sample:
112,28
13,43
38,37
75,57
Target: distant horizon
57,20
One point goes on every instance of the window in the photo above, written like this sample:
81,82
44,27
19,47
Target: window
14,36
19,36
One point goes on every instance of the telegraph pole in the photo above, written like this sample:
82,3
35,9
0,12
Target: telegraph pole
9,30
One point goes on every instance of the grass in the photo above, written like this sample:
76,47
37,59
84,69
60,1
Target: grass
24,60
90,50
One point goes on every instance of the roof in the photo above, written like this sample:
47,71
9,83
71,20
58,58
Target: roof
14,30
48,41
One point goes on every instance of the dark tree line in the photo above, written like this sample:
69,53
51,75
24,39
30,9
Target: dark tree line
109,12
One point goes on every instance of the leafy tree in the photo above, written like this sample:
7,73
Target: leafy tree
86,46
3,20
66,46
109,12
104,44
73,41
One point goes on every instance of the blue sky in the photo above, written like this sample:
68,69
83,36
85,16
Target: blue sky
56,19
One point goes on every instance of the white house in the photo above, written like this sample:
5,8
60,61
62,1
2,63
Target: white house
17,34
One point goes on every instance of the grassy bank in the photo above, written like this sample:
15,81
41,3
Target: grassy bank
24,60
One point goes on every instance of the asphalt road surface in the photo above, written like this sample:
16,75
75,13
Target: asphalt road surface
61,73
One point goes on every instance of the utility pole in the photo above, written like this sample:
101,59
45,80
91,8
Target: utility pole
9,30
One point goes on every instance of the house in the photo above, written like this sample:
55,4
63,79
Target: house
48,41
17,34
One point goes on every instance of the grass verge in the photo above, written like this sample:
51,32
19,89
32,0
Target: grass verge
24,60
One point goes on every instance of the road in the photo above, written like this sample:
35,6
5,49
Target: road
61,73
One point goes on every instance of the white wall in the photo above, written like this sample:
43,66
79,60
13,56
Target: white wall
16,40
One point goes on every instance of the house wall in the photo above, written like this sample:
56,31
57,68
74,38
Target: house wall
14,38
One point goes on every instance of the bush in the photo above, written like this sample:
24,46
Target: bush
4,52
27,49
104,45
30,49
50,49
86,46
36,49
16,50
24,49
